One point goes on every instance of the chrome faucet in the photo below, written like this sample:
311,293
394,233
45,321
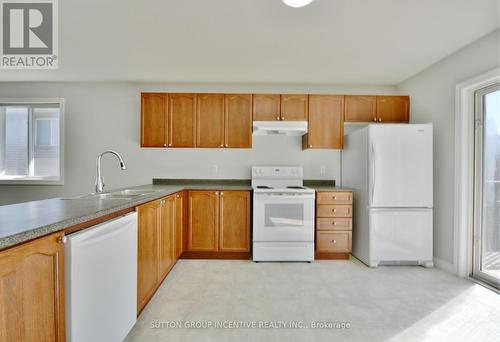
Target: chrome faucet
99,182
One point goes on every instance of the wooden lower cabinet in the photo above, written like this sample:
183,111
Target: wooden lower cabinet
147,253
234,230
203,221
179,224
166,236
218,222
32,291
156,246
333,224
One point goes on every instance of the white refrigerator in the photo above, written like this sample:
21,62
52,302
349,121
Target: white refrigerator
390,169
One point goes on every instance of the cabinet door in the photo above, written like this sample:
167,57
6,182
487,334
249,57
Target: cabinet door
210,120
154,120
203,220
360,108
179,224
238,120
294,107
234,232
32,291
326,124
147,251
393,108
166,236
181,118
266,107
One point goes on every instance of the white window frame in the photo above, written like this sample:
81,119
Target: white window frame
464,169
41,101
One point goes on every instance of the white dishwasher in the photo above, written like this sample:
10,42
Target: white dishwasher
101,281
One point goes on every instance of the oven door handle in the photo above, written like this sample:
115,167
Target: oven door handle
278,197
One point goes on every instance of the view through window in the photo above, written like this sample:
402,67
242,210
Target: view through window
30,142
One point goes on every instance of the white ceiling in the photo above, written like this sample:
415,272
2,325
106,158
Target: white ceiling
260,41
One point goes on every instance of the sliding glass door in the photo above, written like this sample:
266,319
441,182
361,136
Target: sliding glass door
486,263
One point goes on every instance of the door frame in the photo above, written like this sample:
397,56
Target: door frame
477,232
464,169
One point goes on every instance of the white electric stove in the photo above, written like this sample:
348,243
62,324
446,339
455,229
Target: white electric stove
283,215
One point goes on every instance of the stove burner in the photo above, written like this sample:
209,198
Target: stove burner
295,187
263,187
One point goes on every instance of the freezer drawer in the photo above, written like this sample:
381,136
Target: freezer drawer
400,235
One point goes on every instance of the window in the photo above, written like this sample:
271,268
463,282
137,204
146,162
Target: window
31,142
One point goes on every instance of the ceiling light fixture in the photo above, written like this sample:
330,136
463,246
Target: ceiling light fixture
297,3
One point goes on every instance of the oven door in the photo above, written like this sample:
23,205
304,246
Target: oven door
282,217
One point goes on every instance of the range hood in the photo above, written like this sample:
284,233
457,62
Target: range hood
290,128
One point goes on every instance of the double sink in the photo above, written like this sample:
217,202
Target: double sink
126,194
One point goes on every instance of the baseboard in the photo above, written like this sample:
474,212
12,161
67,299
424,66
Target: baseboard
216,255
444,265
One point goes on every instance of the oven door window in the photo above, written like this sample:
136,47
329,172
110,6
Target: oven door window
284,215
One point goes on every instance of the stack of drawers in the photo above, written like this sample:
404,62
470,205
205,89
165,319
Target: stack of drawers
333,224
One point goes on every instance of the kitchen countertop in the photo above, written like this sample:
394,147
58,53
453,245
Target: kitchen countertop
26,221
324,185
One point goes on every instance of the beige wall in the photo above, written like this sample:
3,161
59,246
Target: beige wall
102,116
432,94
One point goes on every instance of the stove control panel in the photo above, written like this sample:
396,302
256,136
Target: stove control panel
277,172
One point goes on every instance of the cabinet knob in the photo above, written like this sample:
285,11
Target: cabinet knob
379,119
334,223
165,145
375,119
227,145
221,193
221,145
334,241
62,239
277,118
216,192
334,210
282,118
334,197
310,145
170,144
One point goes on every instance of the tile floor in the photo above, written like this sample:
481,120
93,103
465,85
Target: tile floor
398,303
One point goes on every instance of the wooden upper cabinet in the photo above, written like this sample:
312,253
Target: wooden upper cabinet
147,257
294,107
154,108
32,291
166,236
266,107
393,109
210,120
360,108
234,232
182,120
203,220
238,121
179,224
326,122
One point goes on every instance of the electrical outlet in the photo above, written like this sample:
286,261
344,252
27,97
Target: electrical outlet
215,169
322,170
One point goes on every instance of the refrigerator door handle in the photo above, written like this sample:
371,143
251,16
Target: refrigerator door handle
373,173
